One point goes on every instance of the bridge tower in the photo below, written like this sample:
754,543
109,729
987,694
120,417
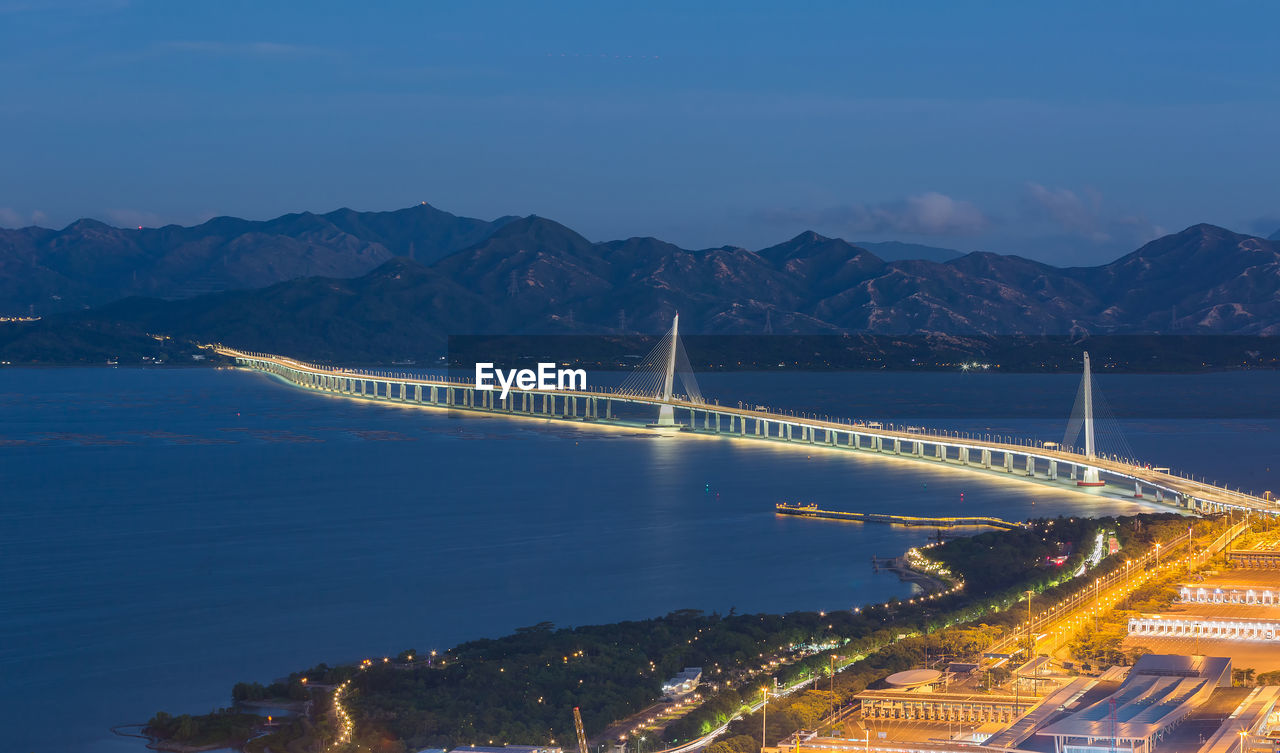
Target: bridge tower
1090,476
654,379
667,414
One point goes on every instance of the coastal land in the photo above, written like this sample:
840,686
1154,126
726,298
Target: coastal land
522,688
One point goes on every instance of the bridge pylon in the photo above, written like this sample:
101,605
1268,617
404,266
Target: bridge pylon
1090,475
654,379
667,413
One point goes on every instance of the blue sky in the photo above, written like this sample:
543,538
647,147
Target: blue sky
1069,132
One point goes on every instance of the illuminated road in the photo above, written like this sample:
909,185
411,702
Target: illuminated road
707,739
1056,626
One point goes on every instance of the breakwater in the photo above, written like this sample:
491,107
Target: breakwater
812,511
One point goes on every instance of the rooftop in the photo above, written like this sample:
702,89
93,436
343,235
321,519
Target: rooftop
1160,691
914,678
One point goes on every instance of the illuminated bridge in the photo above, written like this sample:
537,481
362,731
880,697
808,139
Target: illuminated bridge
651,386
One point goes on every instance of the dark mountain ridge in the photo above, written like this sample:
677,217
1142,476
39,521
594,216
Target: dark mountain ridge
90,263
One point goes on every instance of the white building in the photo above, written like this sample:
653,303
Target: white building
683,683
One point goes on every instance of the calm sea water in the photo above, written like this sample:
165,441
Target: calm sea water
165,534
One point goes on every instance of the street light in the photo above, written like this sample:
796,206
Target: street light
764,717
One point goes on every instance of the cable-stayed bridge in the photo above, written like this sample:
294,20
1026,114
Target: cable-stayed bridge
652,385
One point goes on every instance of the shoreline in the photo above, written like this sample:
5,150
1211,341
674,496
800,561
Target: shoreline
927,582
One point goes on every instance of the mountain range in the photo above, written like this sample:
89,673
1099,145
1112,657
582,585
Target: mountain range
398,283
88,262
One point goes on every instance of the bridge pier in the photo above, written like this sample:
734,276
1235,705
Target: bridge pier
1053,470
1008,462
1031,467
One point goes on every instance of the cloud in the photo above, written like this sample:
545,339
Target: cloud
1267,226
245,49
133,218
929,213
1084,215
10,217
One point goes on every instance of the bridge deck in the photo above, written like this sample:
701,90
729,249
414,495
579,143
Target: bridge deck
1199,496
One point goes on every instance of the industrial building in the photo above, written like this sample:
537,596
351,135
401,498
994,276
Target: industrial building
1191,626
1228,594
1164,703
1159,692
